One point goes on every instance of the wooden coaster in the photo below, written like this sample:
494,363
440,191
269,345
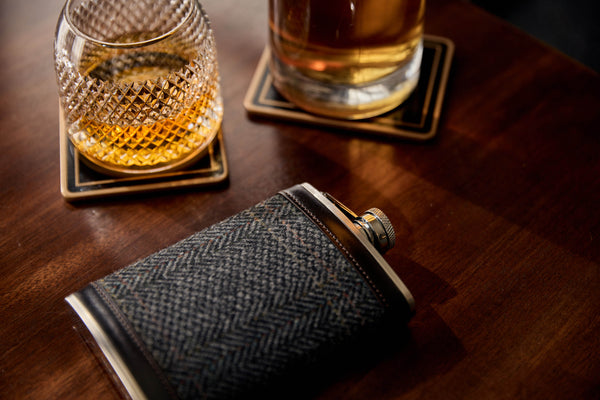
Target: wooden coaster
417,118
78,181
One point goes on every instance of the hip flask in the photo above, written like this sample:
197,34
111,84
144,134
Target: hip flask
235,307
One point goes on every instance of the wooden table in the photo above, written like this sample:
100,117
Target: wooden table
498,217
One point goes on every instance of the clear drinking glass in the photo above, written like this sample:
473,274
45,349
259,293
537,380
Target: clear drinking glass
138,83
346,58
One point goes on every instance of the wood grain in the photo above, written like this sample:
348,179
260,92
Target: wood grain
497,218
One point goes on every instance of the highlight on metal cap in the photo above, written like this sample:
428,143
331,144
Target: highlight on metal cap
378,229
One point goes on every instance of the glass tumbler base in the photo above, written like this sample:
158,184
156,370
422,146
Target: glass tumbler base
347,101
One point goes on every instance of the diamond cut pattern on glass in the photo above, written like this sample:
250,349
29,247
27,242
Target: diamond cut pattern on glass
142,106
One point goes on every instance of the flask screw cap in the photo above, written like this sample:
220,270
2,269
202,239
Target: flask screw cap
378,229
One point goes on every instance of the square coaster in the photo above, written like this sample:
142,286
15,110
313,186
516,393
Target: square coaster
417,118
78,181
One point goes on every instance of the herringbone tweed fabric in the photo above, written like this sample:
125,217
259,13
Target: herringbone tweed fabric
237,303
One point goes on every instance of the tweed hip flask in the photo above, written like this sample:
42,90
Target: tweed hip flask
232,308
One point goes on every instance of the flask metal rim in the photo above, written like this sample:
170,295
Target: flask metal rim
347,217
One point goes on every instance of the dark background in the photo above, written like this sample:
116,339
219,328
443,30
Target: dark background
570,26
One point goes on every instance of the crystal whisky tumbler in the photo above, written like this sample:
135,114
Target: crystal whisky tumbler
138,83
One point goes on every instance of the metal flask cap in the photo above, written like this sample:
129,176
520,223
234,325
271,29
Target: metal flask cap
377,228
